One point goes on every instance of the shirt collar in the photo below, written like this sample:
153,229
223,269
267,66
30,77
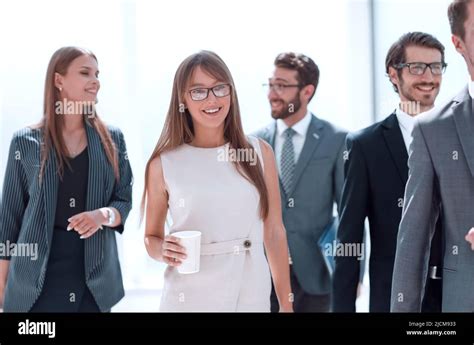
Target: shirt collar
471,88
301,127
407,121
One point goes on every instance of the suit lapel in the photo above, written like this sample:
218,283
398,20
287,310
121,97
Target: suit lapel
93,246
396,146
463,117
271,134
96,168
50,185
272,130
313,138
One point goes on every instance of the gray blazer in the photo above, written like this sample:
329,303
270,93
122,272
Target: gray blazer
27,212
441,181
319,175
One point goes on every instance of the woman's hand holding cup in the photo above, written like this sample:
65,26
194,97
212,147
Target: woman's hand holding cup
173,253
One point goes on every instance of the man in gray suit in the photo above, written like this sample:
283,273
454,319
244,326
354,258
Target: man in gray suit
309,154
441,182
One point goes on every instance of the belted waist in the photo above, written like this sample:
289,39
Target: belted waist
228,247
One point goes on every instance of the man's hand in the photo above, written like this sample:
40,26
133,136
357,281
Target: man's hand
470,238
359,289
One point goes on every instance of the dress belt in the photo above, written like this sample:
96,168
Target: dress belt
228,247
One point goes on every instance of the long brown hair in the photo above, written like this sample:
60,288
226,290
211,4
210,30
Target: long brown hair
52,123
178,127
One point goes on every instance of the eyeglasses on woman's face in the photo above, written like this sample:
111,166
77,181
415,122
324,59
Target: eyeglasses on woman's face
200,94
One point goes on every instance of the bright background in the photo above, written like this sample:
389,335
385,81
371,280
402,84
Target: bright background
140,43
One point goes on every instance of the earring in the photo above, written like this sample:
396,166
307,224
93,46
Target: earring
60,89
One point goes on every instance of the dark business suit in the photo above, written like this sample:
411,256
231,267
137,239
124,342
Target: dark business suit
375,176
27,213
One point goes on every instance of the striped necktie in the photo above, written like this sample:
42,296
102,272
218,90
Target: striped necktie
288,160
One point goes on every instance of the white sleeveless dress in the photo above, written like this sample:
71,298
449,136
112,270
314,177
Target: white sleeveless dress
207,193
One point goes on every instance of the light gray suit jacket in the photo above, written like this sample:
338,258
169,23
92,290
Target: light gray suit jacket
441,181
318,179
27,213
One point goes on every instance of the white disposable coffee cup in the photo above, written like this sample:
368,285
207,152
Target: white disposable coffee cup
191,241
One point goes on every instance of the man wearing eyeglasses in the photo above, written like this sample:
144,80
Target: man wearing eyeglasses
376,174
309,155
441,183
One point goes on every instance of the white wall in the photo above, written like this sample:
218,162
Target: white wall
393,18
139,45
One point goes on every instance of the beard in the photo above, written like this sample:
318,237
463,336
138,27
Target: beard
288,109
425,101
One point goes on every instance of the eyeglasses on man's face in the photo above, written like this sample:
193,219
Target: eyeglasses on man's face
200,94
419,68
278,87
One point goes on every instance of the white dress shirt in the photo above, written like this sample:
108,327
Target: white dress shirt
471,88
301,128
407,123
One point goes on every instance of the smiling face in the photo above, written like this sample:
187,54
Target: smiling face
80,83
212,111
418,88
284,97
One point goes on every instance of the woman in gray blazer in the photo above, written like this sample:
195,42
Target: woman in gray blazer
67,190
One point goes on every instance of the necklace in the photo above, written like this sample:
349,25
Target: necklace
74,153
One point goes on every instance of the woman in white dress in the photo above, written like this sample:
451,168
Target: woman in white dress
214,179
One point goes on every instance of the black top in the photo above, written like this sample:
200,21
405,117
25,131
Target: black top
72,190
65,289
